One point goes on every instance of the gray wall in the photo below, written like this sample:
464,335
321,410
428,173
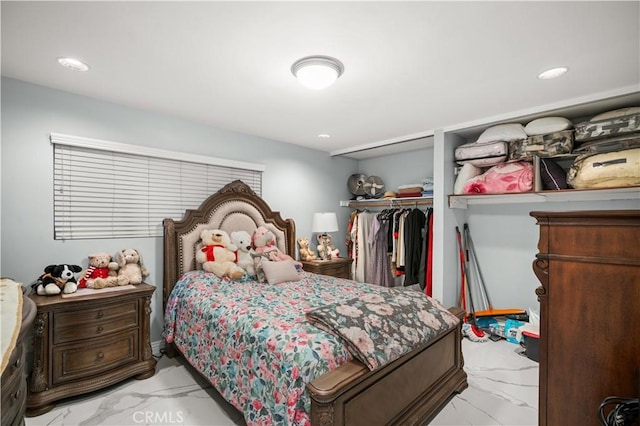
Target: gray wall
399,169
297,181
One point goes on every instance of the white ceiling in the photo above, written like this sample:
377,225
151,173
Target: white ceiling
410,67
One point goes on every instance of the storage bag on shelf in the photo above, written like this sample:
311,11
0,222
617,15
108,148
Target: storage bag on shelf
501,179
609,144
612,123
482,154
549,145
610,170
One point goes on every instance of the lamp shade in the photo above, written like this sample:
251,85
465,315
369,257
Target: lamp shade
324,222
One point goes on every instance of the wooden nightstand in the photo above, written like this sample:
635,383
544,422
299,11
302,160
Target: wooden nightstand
339,267
85,343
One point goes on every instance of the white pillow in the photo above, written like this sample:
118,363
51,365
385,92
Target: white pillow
616,113
503,132
546,125
277,272
467,171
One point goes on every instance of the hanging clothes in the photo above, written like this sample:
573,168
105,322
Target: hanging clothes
429,279
364,250
379,264
413,238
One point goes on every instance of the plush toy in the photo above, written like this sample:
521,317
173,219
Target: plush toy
328,246
100,273
218,255
131,268
242,240
264,242
57,279
305,252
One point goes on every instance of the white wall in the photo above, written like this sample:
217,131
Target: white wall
399,169
297,181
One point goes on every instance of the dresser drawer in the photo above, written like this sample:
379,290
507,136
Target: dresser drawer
78,325
14,365
74,361
14,397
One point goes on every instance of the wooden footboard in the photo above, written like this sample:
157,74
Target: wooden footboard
408,391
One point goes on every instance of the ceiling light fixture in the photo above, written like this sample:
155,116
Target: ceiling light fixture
324,136
553,73
73,64
317,72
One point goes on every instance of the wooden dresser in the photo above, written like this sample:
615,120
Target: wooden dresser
589,267
14,376
339,267
88,342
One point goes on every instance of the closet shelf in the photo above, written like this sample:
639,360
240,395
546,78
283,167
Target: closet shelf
628,193
389,202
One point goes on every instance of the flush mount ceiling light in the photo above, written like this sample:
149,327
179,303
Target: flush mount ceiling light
73,64
324,136
317,72
553,73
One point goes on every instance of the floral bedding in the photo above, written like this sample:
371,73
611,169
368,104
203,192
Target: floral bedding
380,328
253,341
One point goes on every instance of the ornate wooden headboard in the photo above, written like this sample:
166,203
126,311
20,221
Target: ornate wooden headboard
236,207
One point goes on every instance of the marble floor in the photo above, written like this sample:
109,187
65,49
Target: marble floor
503,390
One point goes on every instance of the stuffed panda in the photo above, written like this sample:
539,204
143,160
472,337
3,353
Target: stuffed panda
57,279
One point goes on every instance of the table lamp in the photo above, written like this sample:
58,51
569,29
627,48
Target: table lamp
324,223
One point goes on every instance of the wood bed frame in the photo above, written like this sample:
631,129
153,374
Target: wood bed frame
408,391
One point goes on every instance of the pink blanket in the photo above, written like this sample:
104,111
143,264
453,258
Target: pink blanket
502,178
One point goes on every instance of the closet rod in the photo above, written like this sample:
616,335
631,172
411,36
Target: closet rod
395,202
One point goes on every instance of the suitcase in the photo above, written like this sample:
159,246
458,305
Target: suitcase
589,130
610,170
549,145
482,154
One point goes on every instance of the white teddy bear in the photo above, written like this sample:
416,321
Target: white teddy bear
218,255
242,240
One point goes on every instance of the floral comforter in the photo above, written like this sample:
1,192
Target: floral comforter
253,342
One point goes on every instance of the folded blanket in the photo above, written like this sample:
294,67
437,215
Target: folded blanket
380,328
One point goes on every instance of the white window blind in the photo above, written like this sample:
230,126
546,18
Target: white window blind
103,191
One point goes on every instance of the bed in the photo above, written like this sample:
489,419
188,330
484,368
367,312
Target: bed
338,390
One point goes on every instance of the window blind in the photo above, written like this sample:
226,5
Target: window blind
101,192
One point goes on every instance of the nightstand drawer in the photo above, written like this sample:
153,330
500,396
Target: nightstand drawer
78,325
13,400
339,267
71,362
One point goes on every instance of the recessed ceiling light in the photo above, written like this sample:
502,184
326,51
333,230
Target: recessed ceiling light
324,136
553,73
73,64
317,72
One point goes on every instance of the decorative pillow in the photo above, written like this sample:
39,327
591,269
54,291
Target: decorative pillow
503,132
467,171
546,125
616,113
553,176
258,261
278,272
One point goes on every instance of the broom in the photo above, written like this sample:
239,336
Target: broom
472,331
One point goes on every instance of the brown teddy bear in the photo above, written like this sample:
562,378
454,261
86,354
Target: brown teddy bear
218,255
131,269
305,252
100,273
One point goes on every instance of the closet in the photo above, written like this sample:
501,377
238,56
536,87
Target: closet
391,243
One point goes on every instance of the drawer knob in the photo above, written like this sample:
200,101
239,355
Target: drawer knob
17,394
17,363
100,355
100,329
100,314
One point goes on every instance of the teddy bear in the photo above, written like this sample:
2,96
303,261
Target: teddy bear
242,240
101,272
264,243
326,247
305,252
218,255
57,279
131,268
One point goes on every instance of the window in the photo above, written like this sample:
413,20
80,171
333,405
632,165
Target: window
112,190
